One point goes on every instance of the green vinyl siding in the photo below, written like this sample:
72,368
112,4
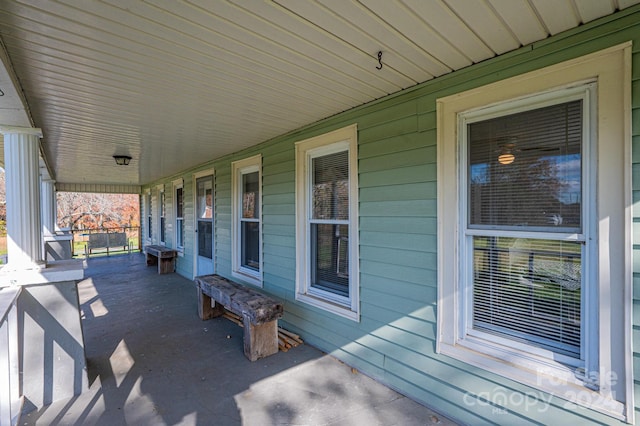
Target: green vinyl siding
394,341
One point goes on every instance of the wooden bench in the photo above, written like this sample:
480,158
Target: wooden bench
107,240
259,312
164,257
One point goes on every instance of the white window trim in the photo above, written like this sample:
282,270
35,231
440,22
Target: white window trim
239,168
611,69
336,141
177,184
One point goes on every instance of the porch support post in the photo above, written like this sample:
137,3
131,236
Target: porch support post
49,213
22,175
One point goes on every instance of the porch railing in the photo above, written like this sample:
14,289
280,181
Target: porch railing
10,399
105,241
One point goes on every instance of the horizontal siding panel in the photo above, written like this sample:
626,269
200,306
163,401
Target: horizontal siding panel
387,113
390,271
406,257
399,241
398,304
282,158
285,252
390,145
415,191
279,177
268,230
278,268
422,173
399,208
427,279
427,121
278,189
285,198
386,130
421,329
403,225
284,209
279,168
400,286
414,157
341,333
421,322
282,240
282,219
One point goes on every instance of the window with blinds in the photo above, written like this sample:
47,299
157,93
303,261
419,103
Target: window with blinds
524,204
329,223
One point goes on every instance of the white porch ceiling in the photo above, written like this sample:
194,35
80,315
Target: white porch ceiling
176,83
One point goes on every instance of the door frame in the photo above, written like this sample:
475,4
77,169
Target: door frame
194,190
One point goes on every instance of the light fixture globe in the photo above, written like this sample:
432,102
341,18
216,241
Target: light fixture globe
506,158
122,160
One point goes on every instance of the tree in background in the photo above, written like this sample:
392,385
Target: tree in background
90,211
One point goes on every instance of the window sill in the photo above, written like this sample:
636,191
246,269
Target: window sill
247,277
325,305
550,378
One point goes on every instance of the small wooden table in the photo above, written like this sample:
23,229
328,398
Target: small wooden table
259,312
164,257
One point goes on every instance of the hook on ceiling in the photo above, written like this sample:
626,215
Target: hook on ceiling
379,60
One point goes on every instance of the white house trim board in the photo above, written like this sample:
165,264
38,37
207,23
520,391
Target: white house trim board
611,70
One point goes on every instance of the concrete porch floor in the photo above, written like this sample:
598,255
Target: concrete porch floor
152,361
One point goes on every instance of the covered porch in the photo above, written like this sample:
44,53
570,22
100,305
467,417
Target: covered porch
152,361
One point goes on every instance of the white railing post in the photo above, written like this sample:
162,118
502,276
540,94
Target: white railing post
10,398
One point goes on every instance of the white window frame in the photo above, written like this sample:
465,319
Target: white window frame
178,220
345,139
610,328
162,220
238,169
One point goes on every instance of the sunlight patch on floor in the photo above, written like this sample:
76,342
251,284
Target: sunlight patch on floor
121,362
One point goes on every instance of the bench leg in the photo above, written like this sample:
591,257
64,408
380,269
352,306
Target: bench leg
165,265
260,340
151,260
207,308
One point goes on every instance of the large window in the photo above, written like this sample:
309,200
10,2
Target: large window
531,182
178,189
326,221
247,230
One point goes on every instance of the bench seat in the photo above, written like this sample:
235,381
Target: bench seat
164,257
259,312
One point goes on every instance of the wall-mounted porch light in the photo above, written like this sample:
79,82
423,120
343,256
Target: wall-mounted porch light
122,160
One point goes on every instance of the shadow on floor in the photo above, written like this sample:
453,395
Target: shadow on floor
152,361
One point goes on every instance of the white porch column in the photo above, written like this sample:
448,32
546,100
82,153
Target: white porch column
49,213
22,175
